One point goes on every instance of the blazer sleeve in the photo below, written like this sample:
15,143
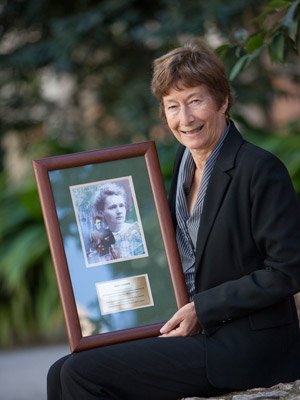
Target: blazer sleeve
275,227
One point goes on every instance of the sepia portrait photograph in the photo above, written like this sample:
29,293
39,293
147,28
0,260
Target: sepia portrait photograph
108,221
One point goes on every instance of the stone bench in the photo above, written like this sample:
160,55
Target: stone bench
287,391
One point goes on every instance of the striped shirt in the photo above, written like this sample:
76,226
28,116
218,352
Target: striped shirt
188,225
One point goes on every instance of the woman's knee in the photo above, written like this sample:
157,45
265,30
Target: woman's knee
55,370
79,380
64,377
54,379
68,368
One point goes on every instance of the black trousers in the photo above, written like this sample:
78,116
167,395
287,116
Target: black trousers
148,369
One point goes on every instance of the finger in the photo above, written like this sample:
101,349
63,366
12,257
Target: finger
173,333
170,325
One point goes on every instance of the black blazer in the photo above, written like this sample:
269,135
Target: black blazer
248,267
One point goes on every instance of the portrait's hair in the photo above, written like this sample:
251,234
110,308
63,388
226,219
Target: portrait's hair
191,65
97,218
108,189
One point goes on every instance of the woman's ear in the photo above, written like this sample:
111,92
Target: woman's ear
224,106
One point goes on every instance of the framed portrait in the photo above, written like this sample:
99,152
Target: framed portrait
112,243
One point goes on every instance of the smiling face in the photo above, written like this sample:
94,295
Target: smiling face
194,117
114,211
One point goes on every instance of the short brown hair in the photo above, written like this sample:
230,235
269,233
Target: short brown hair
105,190
191,65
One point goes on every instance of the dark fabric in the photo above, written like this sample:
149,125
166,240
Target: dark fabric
148,369
248,267
54,381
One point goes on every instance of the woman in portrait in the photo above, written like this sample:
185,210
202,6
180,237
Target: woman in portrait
101,241
113,204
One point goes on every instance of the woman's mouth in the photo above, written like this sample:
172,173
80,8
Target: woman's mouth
192,131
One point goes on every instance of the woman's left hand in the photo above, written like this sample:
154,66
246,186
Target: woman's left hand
183,323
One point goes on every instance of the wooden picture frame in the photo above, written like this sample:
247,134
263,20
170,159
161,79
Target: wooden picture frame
116,260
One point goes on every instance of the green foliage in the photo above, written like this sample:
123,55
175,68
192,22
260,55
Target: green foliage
107,47
29,302
277,34
277,31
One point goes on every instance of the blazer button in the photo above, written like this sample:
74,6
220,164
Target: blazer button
226,320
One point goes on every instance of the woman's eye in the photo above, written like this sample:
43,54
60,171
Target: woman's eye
171,108
196,101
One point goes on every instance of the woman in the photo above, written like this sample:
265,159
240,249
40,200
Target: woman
111,202
237,221
101,240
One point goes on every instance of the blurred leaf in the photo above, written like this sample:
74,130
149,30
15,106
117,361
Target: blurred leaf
275,4
239,66
277,48
12,218
293,29
243,62
255,42
26,248
29,200
291,22
49,303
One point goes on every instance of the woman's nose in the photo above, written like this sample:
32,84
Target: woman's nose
186,116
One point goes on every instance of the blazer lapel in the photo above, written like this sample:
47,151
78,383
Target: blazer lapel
217,187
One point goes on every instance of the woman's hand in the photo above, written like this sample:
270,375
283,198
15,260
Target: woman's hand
183,323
